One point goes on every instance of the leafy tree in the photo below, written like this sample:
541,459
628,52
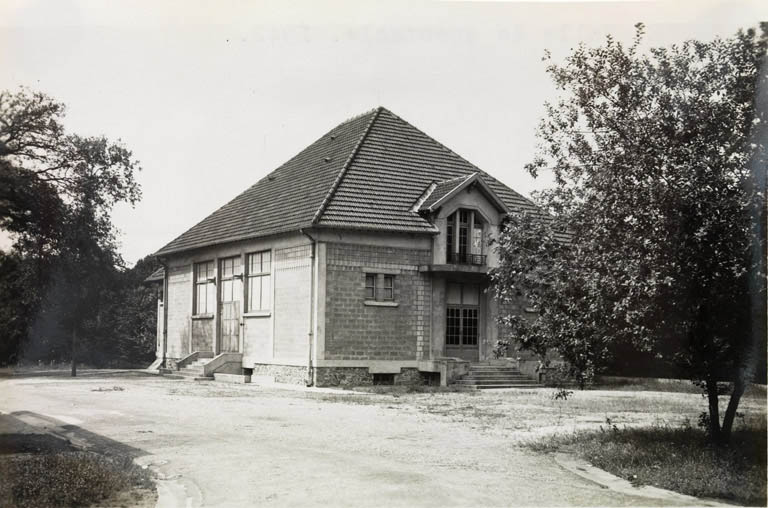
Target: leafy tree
60,191
659,163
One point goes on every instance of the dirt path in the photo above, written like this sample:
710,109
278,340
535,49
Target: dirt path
249,445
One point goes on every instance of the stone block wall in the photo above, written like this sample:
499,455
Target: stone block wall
292,277
202,335
179,302
349,377
289,374
356,331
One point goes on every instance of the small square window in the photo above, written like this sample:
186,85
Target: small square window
370,286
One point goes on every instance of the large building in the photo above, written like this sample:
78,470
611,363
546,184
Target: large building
362,259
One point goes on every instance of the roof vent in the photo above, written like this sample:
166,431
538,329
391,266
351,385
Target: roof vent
327,159
270,177
333,137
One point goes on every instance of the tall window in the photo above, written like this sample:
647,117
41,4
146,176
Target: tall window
463,303
464,238
259,281
205,288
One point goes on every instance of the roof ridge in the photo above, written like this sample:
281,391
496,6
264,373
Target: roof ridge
345,167
439,144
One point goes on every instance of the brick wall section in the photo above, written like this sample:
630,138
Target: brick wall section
179,301
355,331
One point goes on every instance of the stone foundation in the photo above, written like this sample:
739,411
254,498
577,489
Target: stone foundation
289,374
348,377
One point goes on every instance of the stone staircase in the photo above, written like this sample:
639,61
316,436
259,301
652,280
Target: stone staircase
194,370
489,376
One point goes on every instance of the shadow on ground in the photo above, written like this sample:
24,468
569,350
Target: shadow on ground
29,432
65,373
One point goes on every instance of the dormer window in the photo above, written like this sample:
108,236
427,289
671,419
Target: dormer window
464,238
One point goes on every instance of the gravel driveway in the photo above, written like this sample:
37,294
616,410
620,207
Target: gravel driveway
233,445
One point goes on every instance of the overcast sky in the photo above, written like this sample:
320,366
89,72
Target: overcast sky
213,96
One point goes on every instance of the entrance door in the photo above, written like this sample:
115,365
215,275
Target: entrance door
462,321
230,294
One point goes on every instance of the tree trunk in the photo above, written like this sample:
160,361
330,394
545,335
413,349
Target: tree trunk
733,404
74,353
714,410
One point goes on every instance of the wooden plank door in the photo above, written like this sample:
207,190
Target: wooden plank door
230,294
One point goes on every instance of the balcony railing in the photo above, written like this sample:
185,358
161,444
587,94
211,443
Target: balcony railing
464,258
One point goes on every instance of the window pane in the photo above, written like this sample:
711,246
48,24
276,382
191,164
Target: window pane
266,261
199,297
254,295
237,267
453,295
252,263
210,298
226,268
477,239
452,329
266,292
469,326
226,290
370,286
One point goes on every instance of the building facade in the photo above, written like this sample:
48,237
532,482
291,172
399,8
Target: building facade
362,260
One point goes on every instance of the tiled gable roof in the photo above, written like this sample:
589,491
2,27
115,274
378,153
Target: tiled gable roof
286,199
366,173
390,172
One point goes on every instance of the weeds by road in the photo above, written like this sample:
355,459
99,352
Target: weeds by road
72,478
675,458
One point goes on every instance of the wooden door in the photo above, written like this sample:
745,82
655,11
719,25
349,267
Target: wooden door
230,294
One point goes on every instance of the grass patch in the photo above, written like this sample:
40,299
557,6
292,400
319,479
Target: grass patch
401,389
71,478
675,458
671,385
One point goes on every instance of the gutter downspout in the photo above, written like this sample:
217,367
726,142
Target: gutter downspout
310,334
165,309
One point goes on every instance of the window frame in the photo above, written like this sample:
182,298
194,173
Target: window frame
376,293
385,288
261,275
197,283
372,287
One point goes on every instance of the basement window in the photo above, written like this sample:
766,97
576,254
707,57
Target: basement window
384,379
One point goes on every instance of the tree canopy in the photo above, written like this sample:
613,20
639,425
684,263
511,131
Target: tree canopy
659,159
57,191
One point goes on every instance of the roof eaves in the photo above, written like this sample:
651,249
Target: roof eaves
327,199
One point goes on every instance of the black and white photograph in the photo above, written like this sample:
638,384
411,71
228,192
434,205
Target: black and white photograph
343,253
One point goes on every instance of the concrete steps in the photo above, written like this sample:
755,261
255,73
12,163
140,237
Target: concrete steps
488,377
195,370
